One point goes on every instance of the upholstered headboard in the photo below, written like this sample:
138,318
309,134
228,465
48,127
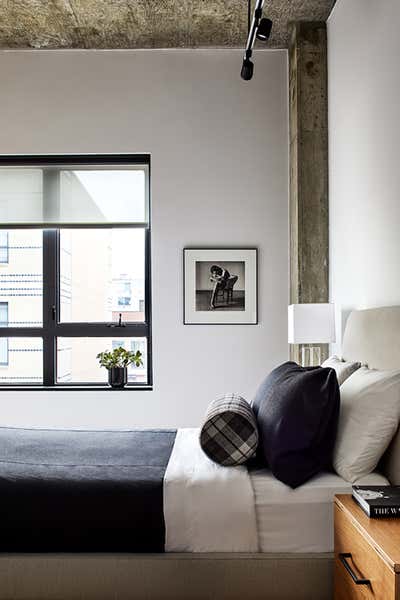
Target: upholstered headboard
373,337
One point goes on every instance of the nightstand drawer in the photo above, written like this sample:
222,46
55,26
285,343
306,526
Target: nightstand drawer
357,560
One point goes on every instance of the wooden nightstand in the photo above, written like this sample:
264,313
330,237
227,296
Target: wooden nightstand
367,554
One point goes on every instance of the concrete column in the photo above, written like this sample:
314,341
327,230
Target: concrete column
309,215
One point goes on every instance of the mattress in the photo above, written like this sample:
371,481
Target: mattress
120,491
299,520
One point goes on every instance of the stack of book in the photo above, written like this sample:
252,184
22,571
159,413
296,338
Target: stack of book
378,502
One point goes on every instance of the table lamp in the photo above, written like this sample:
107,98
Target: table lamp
311,324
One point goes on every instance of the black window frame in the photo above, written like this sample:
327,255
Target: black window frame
52,328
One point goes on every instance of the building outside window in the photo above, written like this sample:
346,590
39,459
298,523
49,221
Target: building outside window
124,293
63,279
3,247
21,299
3,341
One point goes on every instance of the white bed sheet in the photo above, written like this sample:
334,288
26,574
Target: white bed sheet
299,520
207,507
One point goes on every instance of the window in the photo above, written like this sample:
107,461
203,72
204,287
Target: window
77,281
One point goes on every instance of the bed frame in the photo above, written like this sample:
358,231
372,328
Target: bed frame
166,577
371,336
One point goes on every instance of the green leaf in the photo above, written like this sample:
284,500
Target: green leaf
119,357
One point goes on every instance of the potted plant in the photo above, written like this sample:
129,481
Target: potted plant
117,362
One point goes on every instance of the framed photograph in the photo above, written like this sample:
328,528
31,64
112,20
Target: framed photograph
220,286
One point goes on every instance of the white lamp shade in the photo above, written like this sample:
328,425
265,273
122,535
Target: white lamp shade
311,324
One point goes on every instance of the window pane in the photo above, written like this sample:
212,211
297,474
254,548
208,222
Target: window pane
21,360
104,196
62,196
21,278
77,362
3,314
21,195
3,351
102,275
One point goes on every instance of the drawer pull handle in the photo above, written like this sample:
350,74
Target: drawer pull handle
343,556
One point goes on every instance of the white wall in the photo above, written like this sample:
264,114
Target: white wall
219,151
364,141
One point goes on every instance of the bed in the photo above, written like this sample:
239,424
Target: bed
294,558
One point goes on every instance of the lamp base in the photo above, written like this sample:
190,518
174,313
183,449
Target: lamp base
310,356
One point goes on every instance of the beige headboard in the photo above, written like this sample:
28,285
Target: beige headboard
373,337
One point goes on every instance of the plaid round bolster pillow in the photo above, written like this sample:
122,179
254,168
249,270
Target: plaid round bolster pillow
229,435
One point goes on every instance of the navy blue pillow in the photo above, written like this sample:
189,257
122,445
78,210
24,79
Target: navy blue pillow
297,412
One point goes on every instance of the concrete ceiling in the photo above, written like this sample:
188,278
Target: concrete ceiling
145,23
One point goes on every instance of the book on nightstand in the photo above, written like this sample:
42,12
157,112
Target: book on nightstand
378,501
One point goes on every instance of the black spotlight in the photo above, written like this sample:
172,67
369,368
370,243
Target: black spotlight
258,28
264,30
247,69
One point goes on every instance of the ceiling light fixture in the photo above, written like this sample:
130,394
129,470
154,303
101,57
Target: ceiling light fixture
259,28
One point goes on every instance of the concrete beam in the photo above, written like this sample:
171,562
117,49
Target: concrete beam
309,211
145,23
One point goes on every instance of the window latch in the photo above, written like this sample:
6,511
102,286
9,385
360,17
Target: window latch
53,312
119,324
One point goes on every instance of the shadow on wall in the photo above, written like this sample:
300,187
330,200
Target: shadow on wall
341,316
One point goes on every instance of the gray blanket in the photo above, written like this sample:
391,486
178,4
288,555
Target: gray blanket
82,491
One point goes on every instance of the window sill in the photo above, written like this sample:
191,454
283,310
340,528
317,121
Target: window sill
73,388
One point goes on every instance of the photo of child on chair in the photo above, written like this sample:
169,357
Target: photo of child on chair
220,286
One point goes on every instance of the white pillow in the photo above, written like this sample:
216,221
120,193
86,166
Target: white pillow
369,417
343,368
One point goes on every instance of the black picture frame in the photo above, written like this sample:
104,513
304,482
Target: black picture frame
222,315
